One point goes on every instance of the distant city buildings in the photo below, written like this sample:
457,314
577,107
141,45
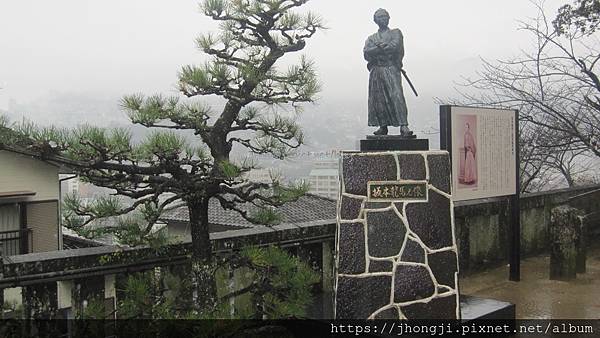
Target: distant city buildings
69,185
323,178
260,175
72,185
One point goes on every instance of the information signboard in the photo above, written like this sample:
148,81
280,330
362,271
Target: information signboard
484,150
483,144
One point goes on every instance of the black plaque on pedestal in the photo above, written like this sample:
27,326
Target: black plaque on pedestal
393,143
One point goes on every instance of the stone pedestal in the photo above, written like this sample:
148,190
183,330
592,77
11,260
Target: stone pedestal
564,234
395,243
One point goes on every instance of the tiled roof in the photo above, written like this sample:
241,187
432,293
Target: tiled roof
308,208
71,240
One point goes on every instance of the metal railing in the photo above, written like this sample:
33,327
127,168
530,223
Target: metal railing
16,242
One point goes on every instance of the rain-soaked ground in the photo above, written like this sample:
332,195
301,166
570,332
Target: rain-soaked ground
538,297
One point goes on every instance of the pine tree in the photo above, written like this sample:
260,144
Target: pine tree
166,168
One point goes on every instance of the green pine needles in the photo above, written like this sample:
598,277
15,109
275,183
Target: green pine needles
168,168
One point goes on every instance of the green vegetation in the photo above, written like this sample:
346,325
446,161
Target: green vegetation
168,168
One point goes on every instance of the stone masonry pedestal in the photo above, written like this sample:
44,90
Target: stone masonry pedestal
396,254
565,232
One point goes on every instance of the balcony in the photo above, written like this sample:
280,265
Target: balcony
15,242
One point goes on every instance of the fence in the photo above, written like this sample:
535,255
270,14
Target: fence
16,242
51,283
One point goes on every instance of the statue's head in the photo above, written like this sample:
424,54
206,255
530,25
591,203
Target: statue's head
382,17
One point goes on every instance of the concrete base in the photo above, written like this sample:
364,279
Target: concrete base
475,308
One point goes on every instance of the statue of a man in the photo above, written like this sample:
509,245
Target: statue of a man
384,52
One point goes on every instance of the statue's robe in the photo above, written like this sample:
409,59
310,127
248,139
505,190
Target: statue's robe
387,105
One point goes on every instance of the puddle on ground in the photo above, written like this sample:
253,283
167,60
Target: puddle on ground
536,296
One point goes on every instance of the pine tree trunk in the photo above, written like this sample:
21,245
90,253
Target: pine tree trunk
202,264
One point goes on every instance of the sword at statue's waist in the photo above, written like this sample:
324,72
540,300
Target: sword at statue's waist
409,82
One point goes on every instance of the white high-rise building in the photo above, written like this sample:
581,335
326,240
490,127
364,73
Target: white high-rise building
323,178
69,184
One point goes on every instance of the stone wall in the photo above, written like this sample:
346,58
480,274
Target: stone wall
55,284
482,227
397,255
481,230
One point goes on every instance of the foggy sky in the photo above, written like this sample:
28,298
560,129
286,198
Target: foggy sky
114,47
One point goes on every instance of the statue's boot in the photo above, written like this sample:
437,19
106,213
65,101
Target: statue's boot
383,130
404,131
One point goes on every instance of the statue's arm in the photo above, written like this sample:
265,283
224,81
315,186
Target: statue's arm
370,50
399,45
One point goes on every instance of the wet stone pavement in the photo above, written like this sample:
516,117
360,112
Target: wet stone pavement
538,297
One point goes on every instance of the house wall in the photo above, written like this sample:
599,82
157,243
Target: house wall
23,173
42,219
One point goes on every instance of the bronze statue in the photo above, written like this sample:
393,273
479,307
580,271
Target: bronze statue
384,52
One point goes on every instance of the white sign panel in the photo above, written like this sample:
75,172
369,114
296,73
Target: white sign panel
484,152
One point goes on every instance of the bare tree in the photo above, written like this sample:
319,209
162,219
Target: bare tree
535,174
556,89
